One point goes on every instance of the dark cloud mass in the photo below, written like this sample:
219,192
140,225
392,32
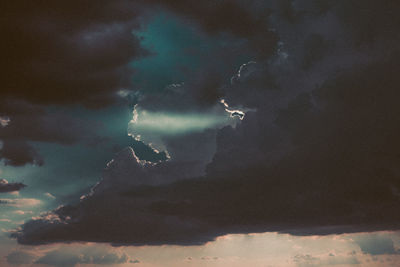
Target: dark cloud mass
316,152
219,16
6,187
64,53
79,53
67,52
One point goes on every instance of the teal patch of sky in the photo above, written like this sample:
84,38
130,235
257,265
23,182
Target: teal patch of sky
69,170
180,48
68,173
176,47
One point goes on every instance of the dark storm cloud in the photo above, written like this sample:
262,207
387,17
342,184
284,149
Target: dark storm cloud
78,52
67,52
64,53
6,187
19,153
315,49
74,52
368,20
206,88
335,175
317,154
198,146
218,16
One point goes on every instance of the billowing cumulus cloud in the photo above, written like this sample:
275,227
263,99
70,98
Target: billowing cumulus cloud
315,153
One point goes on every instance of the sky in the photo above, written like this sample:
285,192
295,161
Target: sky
200,133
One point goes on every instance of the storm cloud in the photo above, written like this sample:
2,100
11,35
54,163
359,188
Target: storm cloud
6,187
315,153
73,53
67,52
335,176
58,54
